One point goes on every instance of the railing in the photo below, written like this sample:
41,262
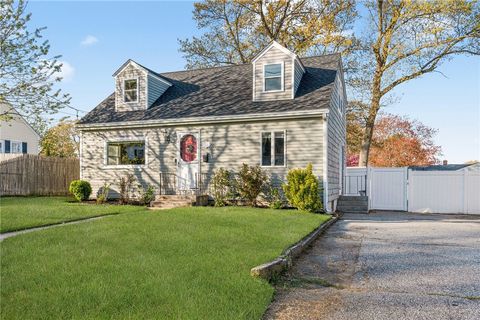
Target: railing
169,184
355,182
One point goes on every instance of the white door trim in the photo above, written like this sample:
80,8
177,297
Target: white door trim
180,162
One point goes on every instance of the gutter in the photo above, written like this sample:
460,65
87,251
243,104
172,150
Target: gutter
204,120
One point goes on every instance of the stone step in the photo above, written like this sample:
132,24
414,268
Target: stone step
353,198
165,205
352,208
355,212
168,197
352,204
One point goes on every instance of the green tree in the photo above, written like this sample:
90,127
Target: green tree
27,71
61,140
237,29
403,40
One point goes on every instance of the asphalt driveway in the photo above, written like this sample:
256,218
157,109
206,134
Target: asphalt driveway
386,266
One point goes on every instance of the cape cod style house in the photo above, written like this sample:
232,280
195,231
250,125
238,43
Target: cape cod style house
174,129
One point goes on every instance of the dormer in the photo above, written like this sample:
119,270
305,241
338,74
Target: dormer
277,73
137,87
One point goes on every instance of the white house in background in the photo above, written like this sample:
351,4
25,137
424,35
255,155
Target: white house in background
16,135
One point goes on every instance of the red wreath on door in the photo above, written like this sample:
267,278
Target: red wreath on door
188,148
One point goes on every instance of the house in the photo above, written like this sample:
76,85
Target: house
174,129
16,135
474,166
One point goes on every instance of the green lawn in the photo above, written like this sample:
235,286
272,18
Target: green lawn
186,263
18,213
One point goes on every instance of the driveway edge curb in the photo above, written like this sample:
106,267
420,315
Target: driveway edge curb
275,267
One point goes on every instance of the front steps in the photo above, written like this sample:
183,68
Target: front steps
353,204
172,201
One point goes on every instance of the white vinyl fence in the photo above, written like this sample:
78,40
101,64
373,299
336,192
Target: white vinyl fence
387,188
444,191
417,191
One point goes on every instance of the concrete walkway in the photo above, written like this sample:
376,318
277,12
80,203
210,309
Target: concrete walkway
387,266
6,235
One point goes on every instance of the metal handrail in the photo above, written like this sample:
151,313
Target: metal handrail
358,181
168,184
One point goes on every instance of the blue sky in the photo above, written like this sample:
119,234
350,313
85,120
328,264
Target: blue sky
95,38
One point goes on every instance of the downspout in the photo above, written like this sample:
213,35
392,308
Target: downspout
325,164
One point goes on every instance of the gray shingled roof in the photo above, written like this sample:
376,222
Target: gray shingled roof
224,91
446,167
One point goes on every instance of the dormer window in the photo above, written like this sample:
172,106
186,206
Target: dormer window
273,77
130,90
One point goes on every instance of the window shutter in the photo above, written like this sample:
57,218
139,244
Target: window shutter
7,146
24,147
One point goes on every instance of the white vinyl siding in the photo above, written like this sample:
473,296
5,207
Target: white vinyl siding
272,56
130,72
227,146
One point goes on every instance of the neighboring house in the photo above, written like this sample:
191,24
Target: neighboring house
174,129
16,135
475,166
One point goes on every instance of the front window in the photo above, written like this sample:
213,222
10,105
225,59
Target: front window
125,153
130,91
16,147
273,77
273,150
1,146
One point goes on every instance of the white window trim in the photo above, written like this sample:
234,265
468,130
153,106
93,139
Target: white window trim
11,146
123,90
2,147
272,149
124,166
282,77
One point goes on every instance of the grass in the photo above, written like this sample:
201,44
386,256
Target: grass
17,213
185,263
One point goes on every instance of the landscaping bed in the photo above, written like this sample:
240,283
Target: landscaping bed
18,213
185,263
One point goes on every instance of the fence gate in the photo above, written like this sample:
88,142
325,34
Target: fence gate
387,188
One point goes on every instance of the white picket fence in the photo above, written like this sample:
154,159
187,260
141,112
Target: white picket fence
417,191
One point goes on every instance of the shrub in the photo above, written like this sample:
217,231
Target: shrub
147,194
221,183
125,183
250,182
102,195
274,197
302,189
80,189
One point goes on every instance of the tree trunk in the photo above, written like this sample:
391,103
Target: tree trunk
370,123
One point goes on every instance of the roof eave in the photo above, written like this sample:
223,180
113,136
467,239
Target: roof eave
203,120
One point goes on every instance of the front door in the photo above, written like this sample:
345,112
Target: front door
188,161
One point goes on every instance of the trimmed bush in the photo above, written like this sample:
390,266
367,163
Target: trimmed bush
80,189
221,183
250,183
302,189
147,194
